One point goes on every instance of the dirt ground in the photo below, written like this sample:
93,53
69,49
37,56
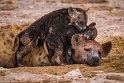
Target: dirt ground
15,15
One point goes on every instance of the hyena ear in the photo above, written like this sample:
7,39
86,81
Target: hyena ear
93,30
77,40
86,10
45,48
92,25
72,12
16,44
106,48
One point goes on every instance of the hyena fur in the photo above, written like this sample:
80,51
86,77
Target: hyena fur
36,33
59,40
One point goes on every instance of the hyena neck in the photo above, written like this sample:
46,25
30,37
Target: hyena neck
57,18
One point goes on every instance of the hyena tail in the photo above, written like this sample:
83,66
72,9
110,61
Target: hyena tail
15,49
16,44
45,48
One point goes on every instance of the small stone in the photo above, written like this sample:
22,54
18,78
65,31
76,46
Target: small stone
115,77
20,20
31,7
4,71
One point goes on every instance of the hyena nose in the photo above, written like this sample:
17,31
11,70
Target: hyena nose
95,58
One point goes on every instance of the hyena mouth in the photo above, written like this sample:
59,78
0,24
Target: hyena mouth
93,63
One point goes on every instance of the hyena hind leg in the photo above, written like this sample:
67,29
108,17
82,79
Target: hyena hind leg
20,54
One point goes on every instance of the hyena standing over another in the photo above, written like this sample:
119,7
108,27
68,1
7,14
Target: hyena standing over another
36,33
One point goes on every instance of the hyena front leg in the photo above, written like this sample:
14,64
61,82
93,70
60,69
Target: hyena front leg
55,49
21,53
57,58
22,46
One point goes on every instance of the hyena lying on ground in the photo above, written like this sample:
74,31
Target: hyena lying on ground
86,51
59,40
82,51
36,33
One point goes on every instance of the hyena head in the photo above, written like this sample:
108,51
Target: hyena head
88,51
78,17
90,32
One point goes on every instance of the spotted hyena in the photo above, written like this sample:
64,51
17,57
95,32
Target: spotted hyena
36,33
85,51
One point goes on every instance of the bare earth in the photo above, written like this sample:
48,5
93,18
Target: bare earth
15,15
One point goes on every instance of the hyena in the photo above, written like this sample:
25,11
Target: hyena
36,33
84,51
59,39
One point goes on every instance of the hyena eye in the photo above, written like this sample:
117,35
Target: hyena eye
87,49
81,22
99,53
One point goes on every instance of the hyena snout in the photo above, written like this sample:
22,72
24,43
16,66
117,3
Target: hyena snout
80,25
94,60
